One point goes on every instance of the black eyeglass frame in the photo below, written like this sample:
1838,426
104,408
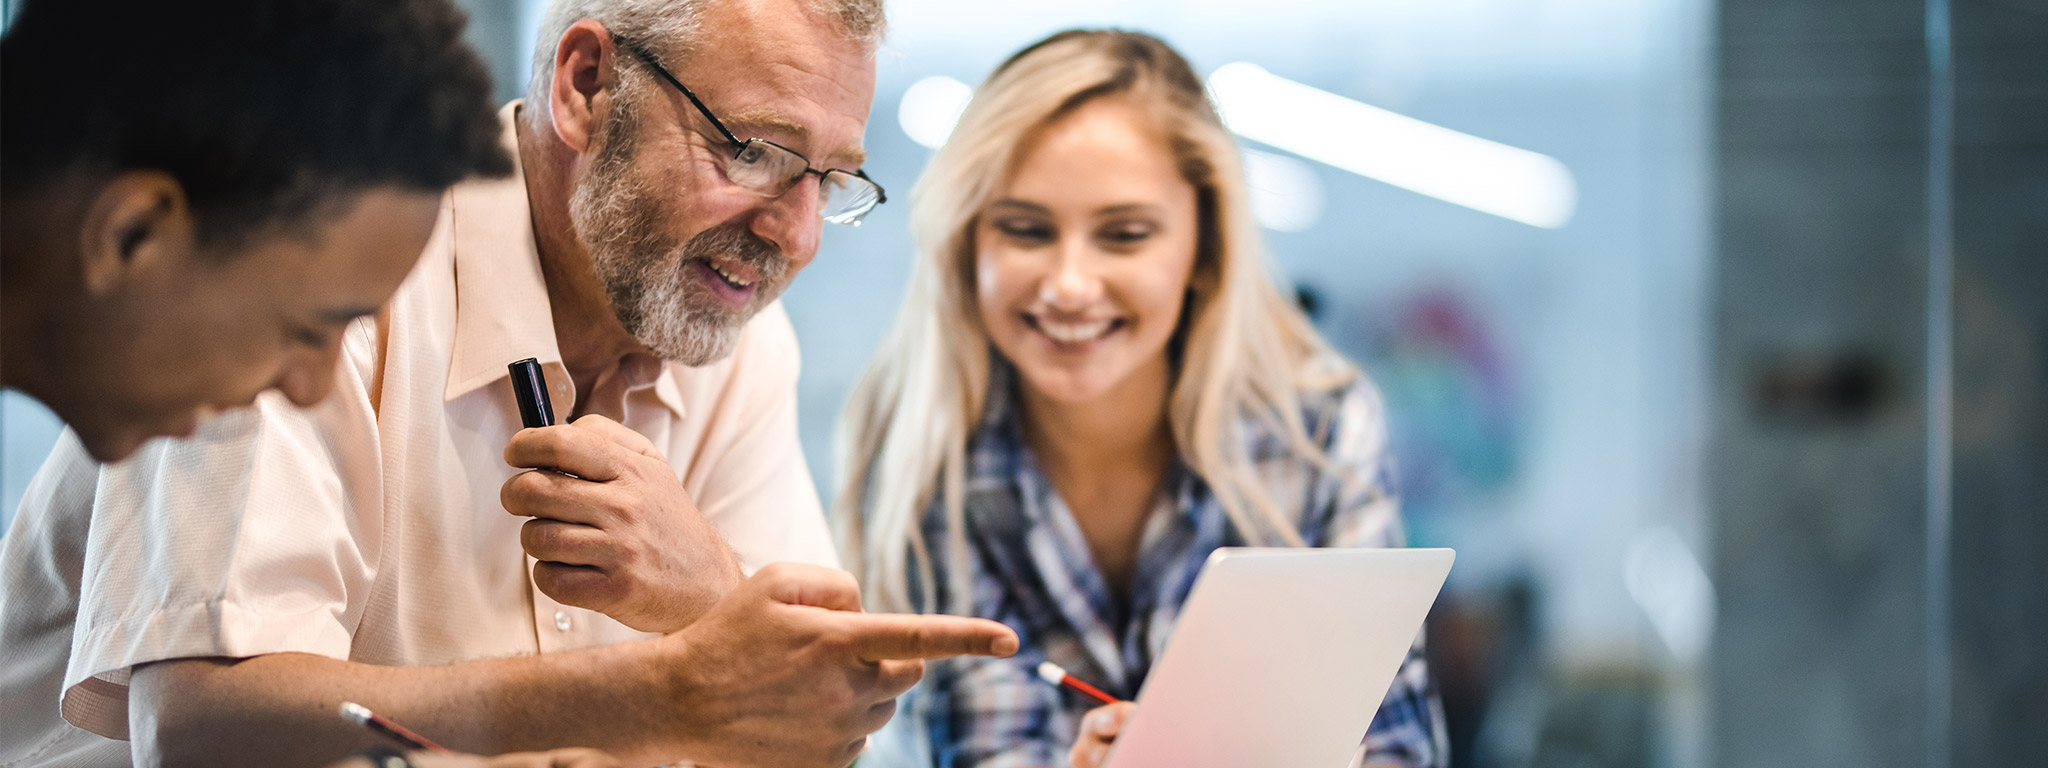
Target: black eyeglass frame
740,145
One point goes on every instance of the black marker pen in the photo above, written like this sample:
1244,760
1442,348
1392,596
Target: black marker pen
530,388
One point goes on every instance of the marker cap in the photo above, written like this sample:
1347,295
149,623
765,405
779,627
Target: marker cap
530,388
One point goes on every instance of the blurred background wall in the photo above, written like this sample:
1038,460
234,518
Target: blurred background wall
1674,411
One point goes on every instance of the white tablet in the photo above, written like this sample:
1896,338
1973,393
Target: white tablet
1281,657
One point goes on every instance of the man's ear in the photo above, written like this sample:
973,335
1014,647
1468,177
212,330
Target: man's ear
137,220
580,90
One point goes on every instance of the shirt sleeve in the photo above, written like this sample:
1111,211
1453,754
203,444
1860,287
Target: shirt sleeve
1408,729
749,477
256,535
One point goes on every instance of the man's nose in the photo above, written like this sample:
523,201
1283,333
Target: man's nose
791,221
307,375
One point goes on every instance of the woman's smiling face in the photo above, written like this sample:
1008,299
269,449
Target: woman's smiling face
1082,262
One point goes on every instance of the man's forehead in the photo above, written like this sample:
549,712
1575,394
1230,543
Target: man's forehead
785,74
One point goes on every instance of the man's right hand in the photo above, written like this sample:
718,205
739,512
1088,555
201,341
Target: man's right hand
613,530
786,670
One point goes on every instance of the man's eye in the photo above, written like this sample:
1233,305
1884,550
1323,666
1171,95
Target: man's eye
308,337
832,185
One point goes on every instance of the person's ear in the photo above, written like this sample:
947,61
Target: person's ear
138,220
580,91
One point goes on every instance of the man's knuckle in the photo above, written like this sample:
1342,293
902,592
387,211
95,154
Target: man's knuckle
838,642
542,450
621,508
518,489
629,553
548,580
611,591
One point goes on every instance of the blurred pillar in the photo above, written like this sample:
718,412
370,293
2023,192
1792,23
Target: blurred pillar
1999,579
1820,455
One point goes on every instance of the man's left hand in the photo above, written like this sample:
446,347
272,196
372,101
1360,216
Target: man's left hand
612,527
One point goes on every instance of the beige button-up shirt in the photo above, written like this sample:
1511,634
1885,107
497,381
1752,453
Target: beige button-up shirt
368,528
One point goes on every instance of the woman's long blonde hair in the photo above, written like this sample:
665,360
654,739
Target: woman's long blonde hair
1247,351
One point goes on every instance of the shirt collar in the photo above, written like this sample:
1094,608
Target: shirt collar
502,312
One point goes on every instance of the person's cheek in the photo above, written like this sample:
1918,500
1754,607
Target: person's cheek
987,274
990,285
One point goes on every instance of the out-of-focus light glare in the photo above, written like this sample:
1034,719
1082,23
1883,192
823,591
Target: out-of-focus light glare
1460,168
1666,579
1287,196
930,108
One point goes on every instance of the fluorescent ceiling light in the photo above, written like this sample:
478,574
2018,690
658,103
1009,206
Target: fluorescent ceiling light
930,108
1488,176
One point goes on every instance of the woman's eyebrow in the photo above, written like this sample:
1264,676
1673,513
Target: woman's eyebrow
1027,207
1125,208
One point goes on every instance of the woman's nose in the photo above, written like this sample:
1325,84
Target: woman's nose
1073,283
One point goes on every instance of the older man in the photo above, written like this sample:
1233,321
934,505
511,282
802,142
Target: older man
363,550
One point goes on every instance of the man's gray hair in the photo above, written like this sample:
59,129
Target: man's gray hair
673,27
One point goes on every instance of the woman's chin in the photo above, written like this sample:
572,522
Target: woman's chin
1067,387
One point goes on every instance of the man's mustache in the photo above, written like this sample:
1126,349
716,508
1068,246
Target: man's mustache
733,242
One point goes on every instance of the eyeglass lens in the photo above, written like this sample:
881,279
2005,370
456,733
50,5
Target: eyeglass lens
765,168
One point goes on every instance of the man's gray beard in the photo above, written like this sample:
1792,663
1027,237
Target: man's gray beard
673,313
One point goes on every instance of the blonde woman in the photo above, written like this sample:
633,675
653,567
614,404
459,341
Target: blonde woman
1095,382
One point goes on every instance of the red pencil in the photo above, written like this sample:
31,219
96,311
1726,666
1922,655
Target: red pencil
383,726
1056,675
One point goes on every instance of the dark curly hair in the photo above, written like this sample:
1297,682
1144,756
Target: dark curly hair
264,110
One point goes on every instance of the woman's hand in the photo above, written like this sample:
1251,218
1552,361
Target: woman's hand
1098,730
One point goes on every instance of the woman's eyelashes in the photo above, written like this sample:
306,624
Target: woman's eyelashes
1119,236
1125,235
1025,231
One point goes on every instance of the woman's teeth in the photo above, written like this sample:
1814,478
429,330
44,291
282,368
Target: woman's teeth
727,276
1074,333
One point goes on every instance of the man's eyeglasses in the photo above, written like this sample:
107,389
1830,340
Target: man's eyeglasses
769,169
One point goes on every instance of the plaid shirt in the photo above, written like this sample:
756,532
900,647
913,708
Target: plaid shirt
1032,571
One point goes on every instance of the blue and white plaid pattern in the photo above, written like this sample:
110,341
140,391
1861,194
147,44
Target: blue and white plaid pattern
1032,571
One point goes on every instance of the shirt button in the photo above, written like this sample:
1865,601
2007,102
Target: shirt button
562,620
